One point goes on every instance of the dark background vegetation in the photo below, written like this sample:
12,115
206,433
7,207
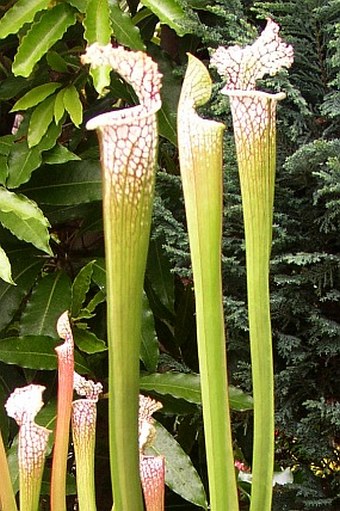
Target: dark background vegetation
305,280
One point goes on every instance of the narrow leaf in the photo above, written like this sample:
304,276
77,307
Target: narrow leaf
24,219
50,297
23,11
124,29
59,107
5,267
179,385
159,273
170,13
149,347
56,62
73,105
41,37
88,342
36,96
180,474
97,22
40,120
80,287
98,29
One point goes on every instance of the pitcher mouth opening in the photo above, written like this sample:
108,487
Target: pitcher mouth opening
122,116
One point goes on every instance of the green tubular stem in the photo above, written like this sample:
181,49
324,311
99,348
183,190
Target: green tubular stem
128,145
7,498
200,150
254,128
126,251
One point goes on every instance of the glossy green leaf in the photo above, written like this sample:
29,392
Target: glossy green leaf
160,275
167,124
35,352
49,299
36,96
179,385
56,62
59,107
98,298
73,105
170,13
88,342
6,142
59,154
98,29
25,267
22,160
40,120
99,273
5,267
81,5
70,183
24,219
124,29
180,474
41,37
80,288
149,347
187,386
23,11
97,22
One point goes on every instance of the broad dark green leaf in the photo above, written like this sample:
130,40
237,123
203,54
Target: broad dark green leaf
25,267
23,11
80,288
180,474
36,96
187,386
24,219
35,352
42,35
159,273
50,298
149,347
22,160
40,121
170,13
73,105
88,342
124,30
5,267
98,29
69,184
